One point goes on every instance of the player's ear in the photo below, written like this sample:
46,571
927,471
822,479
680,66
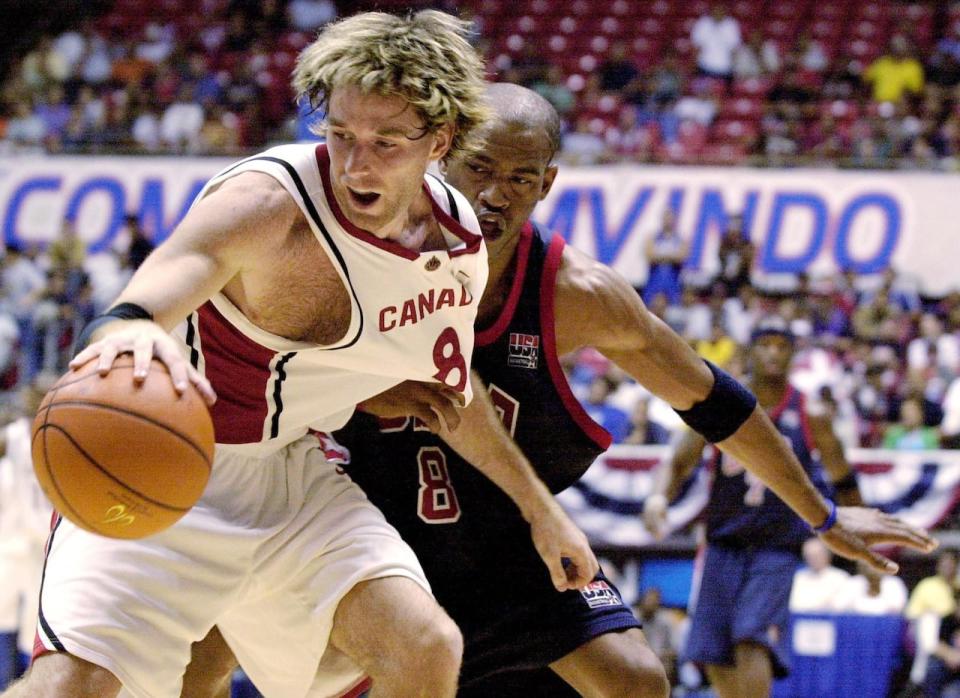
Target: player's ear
549,175
442,140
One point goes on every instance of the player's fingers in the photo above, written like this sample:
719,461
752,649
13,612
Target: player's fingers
915,536
579,574
446,411
108,352
175,364
202,385
881,563
897,531
82,357
142,354
428,416
911,539
558,575
551,557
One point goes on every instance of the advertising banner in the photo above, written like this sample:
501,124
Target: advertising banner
800,220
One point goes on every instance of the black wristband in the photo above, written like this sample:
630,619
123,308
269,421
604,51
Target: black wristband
123,311
848,483
723,411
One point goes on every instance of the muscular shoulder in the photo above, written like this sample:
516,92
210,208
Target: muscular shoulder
595,306
254,199
251,211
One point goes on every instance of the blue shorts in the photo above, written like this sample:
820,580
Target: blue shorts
744,597
537,630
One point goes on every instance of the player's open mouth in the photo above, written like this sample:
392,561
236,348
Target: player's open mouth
363,199
491,224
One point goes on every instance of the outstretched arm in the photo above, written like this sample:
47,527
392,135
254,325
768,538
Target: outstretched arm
242,221
597,307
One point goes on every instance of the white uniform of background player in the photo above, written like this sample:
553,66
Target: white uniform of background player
280,535
24,525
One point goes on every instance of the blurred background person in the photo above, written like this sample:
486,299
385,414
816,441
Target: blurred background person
818,586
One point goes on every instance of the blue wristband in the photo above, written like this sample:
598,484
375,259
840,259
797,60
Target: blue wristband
831,519
723,411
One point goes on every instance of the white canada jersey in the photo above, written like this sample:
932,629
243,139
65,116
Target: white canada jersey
411,319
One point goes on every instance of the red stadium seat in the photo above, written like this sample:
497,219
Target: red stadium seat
734,130
752,86
747,108
840,109
724,153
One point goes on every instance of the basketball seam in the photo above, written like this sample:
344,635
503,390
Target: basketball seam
42,432
106,472
149,420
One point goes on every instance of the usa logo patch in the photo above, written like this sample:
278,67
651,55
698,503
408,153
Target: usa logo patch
599,594
524,350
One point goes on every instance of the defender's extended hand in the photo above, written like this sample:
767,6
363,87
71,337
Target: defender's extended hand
145,340
563,547
857,528
429,402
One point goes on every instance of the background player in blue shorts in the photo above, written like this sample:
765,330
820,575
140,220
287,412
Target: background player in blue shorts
543,300
753,538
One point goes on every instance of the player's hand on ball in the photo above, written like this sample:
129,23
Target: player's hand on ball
428,402
563,547
858,528
145,340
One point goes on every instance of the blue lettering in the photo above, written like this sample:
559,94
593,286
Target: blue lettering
607,247
11,235
114,190
881,260
713,213
151,211
675,200
769,258
564,215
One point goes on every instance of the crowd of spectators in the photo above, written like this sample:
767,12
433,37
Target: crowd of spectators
213,77
742,97
49,294
214,81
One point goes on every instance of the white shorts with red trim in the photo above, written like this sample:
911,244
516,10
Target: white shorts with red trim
266,555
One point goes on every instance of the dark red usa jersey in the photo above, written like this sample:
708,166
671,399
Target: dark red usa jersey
442,506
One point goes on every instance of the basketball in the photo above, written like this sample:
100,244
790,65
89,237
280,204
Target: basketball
120,459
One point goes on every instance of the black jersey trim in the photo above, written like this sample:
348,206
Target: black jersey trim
190,338
454,209
277,398
315,215
47,630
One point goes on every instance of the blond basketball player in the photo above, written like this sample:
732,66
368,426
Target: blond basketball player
303,281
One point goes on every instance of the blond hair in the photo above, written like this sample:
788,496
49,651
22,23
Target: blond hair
424,58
